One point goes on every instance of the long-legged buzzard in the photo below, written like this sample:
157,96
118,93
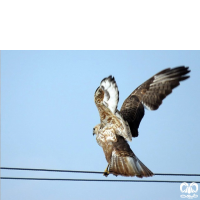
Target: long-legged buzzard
117,127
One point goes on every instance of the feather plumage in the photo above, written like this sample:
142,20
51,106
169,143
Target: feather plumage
118,127
151,94
111,93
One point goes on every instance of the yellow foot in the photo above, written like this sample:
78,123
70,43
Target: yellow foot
106,172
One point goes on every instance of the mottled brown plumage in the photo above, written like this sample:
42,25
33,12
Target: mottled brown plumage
150,94
118,127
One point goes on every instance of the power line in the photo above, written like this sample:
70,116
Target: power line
50,170
91,172
96,180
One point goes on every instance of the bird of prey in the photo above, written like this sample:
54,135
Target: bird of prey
116,127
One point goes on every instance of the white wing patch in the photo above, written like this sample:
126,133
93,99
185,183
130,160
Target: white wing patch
146,106
111,93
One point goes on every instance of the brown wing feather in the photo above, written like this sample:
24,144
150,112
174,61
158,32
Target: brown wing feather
150,94
124,162
133,111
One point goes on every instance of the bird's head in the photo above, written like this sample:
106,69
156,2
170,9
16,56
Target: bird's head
96,129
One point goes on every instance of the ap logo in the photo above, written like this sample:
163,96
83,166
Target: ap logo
189,189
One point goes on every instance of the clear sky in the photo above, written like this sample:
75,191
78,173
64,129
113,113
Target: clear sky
48,114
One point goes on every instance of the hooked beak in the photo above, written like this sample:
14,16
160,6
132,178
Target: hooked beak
94,131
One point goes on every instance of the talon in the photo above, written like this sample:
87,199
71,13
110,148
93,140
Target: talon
106,172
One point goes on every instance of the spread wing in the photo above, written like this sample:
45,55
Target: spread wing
150,95
111,93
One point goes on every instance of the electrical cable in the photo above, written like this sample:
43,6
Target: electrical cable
96,180
91,172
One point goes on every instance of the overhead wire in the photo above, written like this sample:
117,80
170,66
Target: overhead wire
96,180
90,180
91,172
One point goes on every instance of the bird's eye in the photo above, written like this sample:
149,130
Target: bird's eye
93,129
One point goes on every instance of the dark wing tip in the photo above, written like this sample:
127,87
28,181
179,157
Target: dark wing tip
110,78
184,78
180,72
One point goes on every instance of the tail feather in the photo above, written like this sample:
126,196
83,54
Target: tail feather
128,166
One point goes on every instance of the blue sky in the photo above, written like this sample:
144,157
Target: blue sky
48,114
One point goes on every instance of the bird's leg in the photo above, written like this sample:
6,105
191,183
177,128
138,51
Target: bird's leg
106,172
